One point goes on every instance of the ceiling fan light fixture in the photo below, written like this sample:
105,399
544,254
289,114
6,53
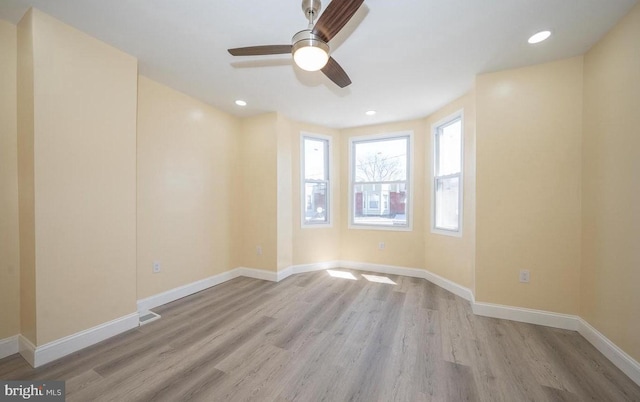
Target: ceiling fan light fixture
309,52
311,58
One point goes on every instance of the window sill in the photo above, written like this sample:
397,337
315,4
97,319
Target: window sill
381,227
317,226
444,232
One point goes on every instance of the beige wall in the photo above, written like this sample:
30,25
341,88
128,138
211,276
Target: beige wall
270,151
610,300
187,189
448,256
9,232
528,185
316,244
402,248
26,193
84,162
285,203
259,198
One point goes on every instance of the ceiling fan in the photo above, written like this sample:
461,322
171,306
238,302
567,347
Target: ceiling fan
309,47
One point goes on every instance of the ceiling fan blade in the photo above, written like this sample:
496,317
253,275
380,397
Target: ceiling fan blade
260,50
335,73
336,16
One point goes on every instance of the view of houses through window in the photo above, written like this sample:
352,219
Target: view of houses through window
380,181
315,173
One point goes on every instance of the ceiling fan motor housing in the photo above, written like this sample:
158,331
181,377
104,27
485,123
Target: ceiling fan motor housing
305,38
311,8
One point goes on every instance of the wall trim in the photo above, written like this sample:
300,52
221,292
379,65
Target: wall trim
617,356
529,316
9,346
258,274
382,269
302,268
444,283
40,355
185,290
174,294
451,286
26,349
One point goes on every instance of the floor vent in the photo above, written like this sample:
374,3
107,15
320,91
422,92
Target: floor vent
147,317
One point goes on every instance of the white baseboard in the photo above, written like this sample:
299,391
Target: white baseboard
40,355
9,346
27,350
610,350
444,283
257,274
382,269
186,290
530,316
617,356
302,268
284,274
451,286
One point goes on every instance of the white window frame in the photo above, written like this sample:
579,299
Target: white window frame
328,158
409,212
436,129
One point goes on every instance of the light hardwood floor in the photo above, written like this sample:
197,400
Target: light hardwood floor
314,337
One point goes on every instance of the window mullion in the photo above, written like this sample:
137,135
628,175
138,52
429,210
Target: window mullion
449,176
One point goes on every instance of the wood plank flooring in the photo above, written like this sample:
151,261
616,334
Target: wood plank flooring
314,337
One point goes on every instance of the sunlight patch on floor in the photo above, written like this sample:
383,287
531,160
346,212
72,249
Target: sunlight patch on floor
341,274
378,279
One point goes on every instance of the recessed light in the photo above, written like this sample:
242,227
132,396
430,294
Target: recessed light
539,37
370,112
240,102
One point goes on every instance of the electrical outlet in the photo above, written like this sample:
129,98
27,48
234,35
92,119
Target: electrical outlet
524,276
156,267
259,250
381,245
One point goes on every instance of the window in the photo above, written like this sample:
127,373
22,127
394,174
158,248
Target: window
379,182
315,180
446,206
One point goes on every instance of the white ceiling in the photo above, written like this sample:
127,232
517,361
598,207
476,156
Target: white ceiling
406,58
